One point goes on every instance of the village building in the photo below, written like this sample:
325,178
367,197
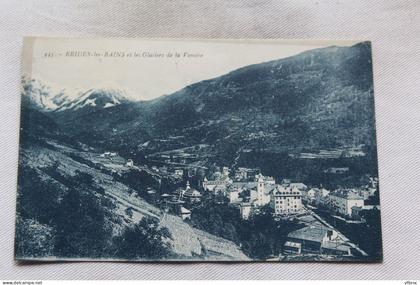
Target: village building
188,194
130,162
217,185
336,170
310,195
105,154
268,180
263,190
335,248
292,248
176,206
323,192
173,205
225,171
257,192
343,200
185,213
373,182
371,188
152,195
241,174
372,191
322,197
299,186
192,195
245,209
315,240
165,197
286,200
163,169
179,172
308,240
364,193
179,193
249,196
245,174
108,154
233,195
286,181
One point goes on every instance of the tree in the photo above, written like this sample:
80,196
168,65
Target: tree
37,198
260,237
145,240
33,239
81,227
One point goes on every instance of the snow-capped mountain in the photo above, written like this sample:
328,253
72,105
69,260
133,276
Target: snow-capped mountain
95,98
44,98
41,96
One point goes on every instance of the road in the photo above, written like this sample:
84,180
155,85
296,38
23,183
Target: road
343,237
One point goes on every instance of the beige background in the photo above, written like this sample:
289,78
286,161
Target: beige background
393,27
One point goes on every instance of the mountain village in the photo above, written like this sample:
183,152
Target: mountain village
273,161
250,192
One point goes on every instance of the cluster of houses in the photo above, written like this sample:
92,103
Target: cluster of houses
286,198
316,238
349,203
175,172
108,154
177,201
250,191
249,196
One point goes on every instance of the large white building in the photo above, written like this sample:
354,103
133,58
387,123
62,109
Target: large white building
286,200
343,201
248,196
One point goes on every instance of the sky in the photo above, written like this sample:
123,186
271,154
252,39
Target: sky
147,69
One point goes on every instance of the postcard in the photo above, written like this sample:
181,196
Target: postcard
197,150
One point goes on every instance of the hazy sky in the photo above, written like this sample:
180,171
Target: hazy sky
145,69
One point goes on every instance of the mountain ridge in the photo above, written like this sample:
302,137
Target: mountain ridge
318,99
40,96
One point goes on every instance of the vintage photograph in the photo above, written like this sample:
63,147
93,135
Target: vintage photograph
211,150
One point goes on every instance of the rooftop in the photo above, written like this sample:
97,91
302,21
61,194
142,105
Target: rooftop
185,211
298,185
335,246
285,190
192,193
309,233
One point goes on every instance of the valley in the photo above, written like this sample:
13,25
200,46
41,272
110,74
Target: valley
104,176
